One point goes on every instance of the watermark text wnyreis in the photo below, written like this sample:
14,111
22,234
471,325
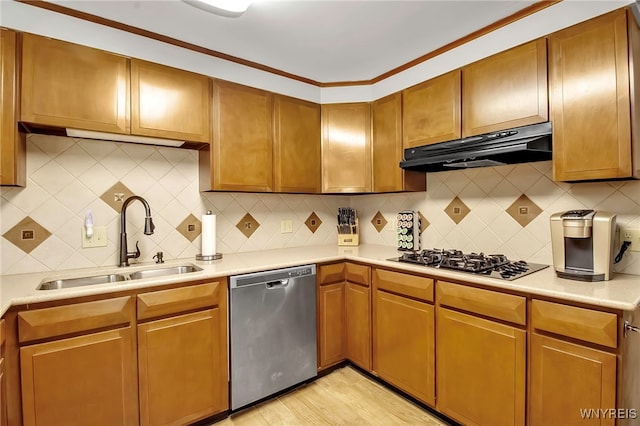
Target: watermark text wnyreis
608,413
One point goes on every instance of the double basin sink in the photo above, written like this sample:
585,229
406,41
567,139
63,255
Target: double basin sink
152,272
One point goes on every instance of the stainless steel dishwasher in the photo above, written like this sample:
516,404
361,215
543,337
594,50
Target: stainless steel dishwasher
273,332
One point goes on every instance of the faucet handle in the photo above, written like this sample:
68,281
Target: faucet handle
134,254
159,258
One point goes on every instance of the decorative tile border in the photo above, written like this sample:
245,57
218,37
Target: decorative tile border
27,234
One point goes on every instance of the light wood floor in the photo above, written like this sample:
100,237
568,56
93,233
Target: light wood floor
344,397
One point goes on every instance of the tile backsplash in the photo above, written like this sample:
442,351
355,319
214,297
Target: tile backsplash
499,209
503,209
67,177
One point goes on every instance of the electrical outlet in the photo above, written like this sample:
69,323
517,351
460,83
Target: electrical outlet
286,226
98,239
633,235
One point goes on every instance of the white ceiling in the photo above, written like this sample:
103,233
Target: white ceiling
325,41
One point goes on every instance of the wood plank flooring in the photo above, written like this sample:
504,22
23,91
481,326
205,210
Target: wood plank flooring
343,397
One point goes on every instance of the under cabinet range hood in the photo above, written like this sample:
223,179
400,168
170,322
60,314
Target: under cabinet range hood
517,145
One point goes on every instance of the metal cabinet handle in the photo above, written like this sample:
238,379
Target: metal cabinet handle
628,327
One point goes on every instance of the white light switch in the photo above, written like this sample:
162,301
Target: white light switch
98,239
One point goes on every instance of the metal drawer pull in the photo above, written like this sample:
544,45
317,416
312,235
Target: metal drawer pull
628,327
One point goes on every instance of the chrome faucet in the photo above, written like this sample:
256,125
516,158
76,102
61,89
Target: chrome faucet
125,255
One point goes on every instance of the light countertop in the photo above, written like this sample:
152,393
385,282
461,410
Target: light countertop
622,292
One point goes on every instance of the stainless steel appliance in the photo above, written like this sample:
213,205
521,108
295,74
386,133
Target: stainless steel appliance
273,332
518,145
582,243
491,265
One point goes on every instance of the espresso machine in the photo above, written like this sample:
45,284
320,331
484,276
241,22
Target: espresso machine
582,242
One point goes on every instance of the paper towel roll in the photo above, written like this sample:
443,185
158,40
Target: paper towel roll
208,234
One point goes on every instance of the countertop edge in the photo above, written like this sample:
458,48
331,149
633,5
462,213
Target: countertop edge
248,262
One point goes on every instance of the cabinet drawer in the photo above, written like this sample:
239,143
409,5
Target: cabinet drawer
166,302
578,323
404,284
506,307
79,317
358,274
331,273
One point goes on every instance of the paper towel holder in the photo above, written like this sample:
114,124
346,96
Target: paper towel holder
208,257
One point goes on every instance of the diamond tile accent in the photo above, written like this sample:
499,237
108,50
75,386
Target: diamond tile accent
190,227
379,222
313,222
27,234
523,210
424,223
248,225
457,210
116,195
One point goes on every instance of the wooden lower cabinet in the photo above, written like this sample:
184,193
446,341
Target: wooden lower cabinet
84,380
181,379
566,378
403,344
3,386
481,370
182,355
331,321
358,324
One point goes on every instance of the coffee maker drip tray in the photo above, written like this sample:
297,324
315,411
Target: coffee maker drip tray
579,275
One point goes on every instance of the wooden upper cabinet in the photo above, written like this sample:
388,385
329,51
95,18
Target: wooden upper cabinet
296,158
346,147
170,103
386,141
241,158
590,98
505,90
431,111
12,142
73,86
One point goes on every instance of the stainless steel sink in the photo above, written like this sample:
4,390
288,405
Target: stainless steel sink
81,281
112,278
160,272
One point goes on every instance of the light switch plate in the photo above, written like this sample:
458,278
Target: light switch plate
286,226
98,239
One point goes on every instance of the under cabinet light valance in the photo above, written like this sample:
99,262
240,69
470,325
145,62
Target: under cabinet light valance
87,134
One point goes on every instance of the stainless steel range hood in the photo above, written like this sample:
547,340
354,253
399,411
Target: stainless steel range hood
518,145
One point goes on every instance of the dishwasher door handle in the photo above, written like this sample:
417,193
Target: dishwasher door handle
276,284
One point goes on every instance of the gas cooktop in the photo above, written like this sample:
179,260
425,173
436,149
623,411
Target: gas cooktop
490,265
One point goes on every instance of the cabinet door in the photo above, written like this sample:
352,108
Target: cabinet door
12,143
386,141
481,370
505,90
169,103
3,385
358,324
403,344
183,371
589,100
85,380
296,145
331,323
69,85
431,111
346,147
241,158
567,378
